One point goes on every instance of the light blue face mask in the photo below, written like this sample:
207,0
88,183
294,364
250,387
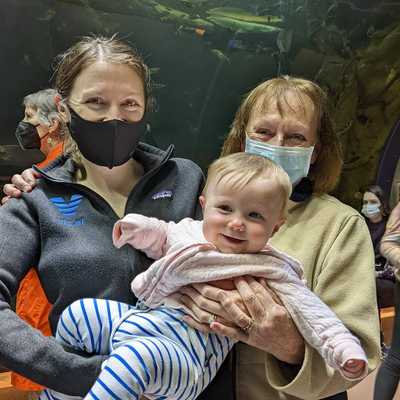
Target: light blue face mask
370,210
294,160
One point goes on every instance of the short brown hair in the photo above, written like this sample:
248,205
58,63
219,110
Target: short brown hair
88,51
239,169
325,172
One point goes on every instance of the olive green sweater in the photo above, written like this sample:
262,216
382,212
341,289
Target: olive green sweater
333,243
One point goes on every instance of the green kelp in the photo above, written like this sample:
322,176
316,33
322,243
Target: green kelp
236,25
239,20
170,14
220,55
221,18
243,15
366,107
145,8
193,3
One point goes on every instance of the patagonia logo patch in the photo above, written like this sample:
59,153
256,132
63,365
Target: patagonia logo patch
68,210
164,194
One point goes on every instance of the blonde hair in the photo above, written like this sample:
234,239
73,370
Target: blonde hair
239,169
326,170
89,50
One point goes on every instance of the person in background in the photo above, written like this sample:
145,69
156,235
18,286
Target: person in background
388,376
287,119
376,211
43,129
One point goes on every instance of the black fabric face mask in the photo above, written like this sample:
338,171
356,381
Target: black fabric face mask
27,136
109,143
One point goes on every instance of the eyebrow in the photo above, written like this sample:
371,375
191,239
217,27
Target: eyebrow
98,92
293,124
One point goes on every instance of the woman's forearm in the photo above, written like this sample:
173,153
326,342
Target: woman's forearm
391,251
42,359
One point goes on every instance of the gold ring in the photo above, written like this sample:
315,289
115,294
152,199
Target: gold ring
246,329
212,318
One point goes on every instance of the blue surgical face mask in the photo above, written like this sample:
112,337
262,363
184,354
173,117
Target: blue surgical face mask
370,210
294,160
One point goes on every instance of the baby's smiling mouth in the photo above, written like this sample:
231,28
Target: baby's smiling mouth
233,239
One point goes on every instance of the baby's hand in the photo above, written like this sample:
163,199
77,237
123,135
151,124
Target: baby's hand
353,368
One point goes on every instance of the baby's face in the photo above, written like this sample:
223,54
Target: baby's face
241,221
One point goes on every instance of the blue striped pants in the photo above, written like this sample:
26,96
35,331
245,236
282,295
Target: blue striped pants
151,351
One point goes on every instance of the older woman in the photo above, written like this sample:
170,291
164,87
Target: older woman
42,128
286,119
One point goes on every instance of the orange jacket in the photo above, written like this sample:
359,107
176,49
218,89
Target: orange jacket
32,304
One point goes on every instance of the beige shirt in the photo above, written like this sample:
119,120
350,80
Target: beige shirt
332,242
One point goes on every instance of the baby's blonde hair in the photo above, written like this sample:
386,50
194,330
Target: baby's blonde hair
239,169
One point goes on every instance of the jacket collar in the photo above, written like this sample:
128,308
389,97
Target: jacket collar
63,169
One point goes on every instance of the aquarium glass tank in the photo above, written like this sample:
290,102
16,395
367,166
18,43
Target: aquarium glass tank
205,55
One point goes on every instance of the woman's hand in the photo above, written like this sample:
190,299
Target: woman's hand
263,322
269,327
204,302
20,183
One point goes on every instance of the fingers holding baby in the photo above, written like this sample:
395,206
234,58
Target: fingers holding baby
251,313
205,300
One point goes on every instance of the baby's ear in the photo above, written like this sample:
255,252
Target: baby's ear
202,201
278,225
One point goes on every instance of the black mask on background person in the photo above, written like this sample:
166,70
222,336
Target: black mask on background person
108,143
27,136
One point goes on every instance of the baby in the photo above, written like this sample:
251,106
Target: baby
151,351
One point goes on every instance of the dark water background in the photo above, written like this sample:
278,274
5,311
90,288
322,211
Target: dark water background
200,77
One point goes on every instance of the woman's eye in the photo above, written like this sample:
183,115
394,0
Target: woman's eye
297,138
94,101
263,132
256,215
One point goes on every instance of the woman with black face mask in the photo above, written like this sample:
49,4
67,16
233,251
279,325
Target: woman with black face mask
63,227
42,128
